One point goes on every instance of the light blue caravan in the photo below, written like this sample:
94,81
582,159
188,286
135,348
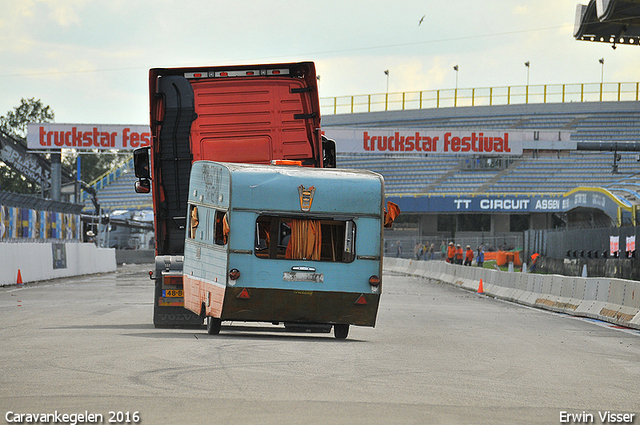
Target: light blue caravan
302,246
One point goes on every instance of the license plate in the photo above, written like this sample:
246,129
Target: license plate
303,277
173,293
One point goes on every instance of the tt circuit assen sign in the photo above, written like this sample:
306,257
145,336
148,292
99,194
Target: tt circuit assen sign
456,142
480,204
87,136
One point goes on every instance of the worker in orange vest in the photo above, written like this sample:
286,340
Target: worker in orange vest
459,254
451,253
468,258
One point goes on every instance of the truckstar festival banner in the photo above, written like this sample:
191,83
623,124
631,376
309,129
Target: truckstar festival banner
456,142
87,136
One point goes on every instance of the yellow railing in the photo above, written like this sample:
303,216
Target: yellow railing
507,95
111,175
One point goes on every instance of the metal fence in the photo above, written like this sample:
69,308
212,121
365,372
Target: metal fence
582,243
409,245
505,95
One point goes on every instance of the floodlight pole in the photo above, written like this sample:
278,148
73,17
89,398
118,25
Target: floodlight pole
455,68
386,72
455,94
386,98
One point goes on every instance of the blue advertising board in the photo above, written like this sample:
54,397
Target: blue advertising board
582,197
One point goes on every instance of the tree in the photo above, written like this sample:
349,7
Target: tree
15,124
30,110
11,181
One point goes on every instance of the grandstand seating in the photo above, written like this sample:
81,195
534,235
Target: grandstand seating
439,174
116,191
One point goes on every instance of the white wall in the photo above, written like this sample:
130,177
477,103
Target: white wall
608,299
35,261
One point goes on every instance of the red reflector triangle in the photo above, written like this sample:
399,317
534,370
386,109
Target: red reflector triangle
244,294
361,300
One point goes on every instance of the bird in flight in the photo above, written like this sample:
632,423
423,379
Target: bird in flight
421,19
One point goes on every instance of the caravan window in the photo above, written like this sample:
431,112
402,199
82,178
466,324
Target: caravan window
294,238
208,225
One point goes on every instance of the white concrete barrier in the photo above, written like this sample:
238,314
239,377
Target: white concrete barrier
42,261
632,295
611,300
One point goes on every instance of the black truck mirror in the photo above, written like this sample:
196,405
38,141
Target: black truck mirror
141,163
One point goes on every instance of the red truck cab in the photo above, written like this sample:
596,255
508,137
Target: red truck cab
241,113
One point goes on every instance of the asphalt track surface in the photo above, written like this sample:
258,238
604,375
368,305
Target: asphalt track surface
438,355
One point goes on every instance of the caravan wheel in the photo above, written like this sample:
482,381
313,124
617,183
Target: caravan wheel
213,325
340,331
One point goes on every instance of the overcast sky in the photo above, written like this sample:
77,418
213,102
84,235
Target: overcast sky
89,60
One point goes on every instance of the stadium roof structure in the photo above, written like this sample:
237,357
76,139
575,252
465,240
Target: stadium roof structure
608,21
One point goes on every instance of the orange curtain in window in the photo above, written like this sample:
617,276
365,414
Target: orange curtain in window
390,213
194,221
305,241
225,228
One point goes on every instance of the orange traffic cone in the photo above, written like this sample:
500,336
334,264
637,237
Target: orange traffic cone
480,288
19,280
